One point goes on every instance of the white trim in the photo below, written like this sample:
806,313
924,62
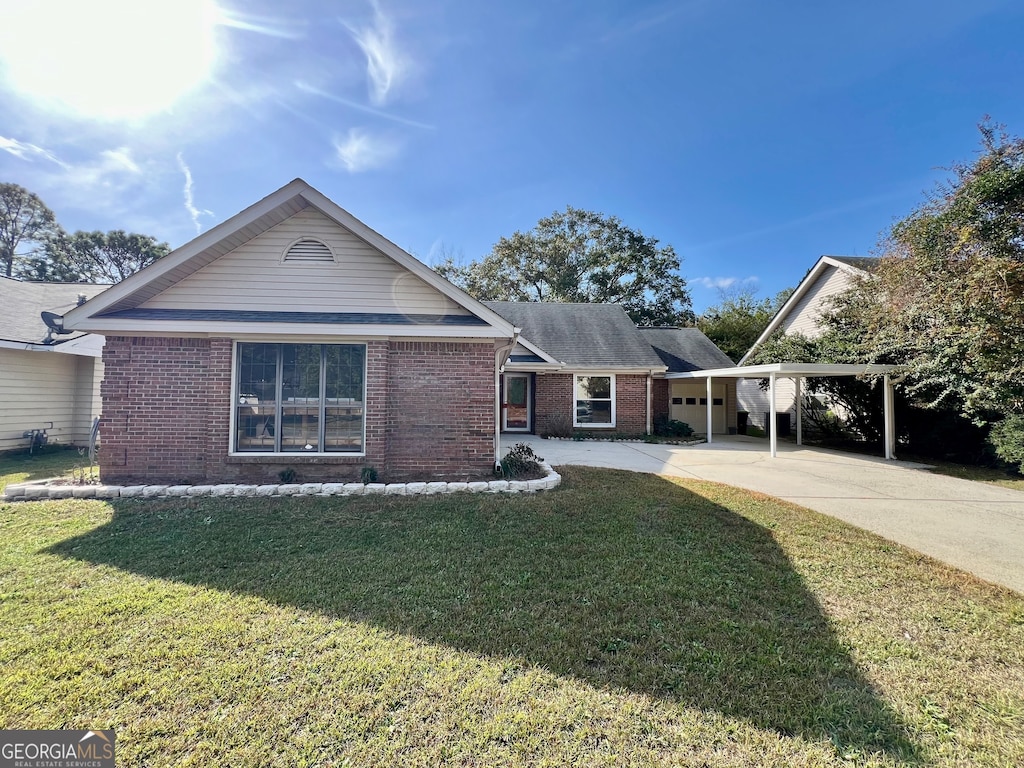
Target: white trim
504,404
593,374
787,370
113,327
262,454
805,285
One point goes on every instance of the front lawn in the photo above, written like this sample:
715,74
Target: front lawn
624,619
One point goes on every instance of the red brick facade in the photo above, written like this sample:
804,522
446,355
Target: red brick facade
167,414
554,404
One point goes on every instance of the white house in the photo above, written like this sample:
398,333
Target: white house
48,381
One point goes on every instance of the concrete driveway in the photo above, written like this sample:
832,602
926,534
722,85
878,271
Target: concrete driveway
971,525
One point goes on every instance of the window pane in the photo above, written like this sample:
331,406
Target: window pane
301,374
343,430
593,387
254,428
300,427
344,373
593,412
256,401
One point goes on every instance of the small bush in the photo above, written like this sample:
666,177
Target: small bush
1007,438
288,475
520,461
368,475
557,425
672,428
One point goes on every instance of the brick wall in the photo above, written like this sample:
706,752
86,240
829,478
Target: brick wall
660,398
554,403
167,409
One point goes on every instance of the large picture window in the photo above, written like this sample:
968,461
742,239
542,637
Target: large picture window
595,401
300,398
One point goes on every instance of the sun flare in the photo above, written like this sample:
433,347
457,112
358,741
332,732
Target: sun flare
108,59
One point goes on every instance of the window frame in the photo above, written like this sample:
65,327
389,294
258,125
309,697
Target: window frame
235,395
576,399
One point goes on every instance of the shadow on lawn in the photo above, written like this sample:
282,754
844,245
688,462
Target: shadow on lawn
617,579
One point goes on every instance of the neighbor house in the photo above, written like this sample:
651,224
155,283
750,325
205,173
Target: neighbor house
293,338
49,383
829,277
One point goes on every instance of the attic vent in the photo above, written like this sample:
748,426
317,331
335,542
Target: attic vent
308,249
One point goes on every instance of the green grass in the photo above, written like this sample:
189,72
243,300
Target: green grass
50,461
990,475
624,619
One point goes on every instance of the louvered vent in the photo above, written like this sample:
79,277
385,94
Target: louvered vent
308,249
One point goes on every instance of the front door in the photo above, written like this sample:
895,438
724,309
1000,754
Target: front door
516,408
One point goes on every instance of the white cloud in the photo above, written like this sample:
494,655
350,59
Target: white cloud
190,205
28,152
360,151
723,283
384,62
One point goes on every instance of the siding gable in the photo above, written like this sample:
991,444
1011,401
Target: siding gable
255,277
804,317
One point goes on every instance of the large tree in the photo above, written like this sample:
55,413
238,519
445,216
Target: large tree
946,302
581,256
94,257
26,223
739,318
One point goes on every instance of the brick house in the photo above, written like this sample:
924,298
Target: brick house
294,337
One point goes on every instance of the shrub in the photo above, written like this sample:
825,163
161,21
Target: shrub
1007,438
520,461
557,425
288,475
664,427
368,475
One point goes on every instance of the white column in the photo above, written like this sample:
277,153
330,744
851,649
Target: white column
799,411
650,406
709,407
773,441
890,421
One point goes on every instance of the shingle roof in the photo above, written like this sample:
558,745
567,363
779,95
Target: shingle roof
21,303
588,335
685,349
864,263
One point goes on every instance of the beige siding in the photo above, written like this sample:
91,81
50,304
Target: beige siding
752,399
37,388
804,317
253,277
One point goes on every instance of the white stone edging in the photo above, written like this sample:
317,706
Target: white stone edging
41,489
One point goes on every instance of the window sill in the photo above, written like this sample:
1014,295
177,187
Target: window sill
296,458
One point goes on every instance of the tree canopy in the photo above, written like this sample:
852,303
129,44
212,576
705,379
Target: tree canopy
739,318
26,223
94,257
946,302
581,256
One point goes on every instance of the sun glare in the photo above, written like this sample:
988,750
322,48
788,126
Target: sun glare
107,59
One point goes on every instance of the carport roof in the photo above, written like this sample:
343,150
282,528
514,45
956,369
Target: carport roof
786,370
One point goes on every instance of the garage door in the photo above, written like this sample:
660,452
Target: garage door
688,402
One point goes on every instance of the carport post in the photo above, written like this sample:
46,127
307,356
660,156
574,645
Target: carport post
773,436
799,411
890,422
708,379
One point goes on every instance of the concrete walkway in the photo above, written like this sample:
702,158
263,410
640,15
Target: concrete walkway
971,525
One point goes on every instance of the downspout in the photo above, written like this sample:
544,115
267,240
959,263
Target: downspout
650,377
501,355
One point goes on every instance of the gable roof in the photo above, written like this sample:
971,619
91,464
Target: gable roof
855,265
597,336
118,309
685,349
21,303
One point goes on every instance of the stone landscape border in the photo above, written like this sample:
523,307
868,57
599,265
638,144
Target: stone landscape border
44,489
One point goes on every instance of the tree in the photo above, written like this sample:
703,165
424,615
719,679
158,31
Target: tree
94,257
739,318
25,220
581,256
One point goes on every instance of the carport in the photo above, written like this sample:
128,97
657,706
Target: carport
798,372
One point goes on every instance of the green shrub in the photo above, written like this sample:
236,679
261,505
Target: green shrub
665,427
520,461
368,475
288,475
1007,438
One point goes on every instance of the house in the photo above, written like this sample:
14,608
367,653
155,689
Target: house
829,277
294,338
48,382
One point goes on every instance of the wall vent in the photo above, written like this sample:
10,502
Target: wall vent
308,249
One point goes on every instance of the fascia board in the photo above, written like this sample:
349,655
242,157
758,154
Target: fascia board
113,326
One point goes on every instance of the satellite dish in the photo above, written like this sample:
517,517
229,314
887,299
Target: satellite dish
54,322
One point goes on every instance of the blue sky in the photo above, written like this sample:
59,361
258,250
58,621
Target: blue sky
750,136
